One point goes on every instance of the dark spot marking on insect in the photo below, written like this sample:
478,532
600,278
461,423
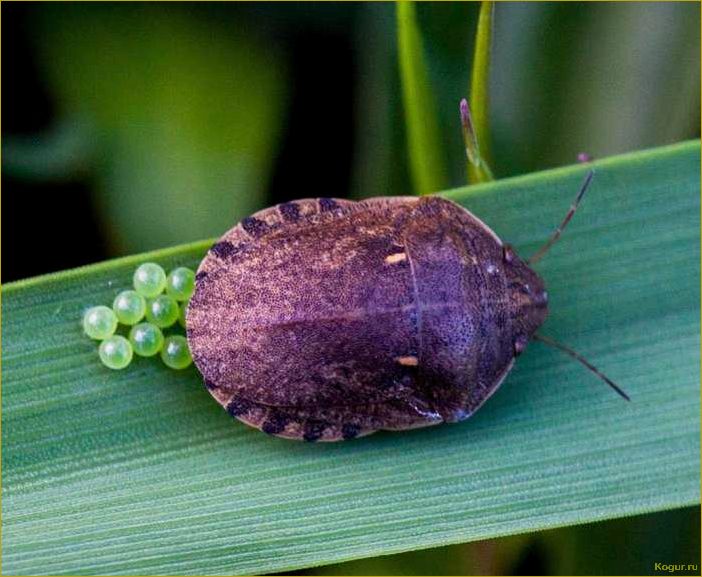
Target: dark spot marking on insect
199,276
254,226
211,386
350,431
238,407
275,423
314,430
327,204
223,249
290,211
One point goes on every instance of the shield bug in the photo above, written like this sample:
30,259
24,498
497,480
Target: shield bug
326,319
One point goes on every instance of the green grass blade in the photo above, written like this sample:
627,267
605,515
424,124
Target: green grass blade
203,146
479,96
141,472
423,142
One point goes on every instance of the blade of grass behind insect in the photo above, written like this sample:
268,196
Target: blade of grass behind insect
140,472
422,129
479,171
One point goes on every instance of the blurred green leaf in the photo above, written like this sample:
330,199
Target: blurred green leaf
630,546
186,111
626,546
423,140
602,77
563,77
479,95
140,472
490,557
61,153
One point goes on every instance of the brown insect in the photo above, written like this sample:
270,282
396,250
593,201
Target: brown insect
326,319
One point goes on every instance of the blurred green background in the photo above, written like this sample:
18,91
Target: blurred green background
134,126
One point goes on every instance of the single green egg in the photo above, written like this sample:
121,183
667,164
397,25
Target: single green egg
149,280
146,339
129,306
175,352
99,322
180,283
115,352
163,311
181,316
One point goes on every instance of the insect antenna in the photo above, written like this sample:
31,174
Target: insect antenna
577,357
557,233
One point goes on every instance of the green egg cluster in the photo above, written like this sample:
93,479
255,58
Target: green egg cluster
157,302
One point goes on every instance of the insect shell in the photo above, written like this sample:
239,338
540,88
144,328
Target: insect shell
325,319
